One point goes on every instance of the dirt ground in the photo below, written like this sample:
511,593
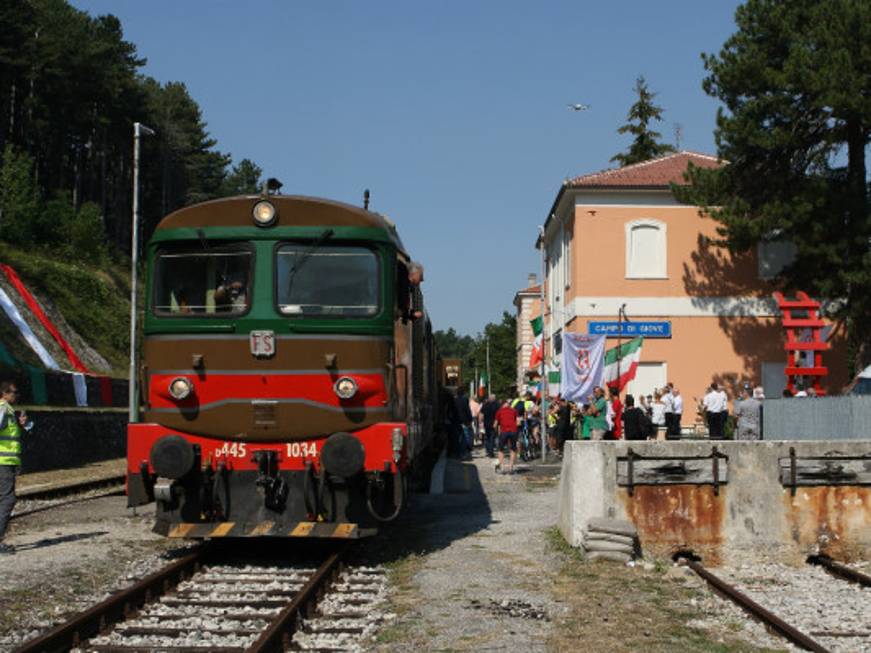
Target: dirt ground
69,558
483,568
480,567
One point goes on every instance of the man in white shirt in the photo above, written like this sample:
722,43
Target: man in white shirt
716,409
677,403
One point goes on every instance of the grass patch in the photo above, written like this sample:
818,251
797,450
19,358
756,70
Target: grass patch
611,607
94,301
556,543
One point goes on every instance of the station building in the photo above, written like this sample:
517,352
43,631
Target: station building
528,305
620,239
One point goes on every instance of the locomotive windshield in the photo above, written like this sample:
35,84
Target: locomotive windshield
193,283
327,281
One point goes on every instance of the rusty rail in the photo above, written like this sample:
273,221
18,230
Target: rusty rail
839,570
749,605
278,636
116,608
61,504
72,488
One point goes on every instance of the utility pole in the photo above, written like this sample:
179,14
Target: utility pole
543,383
489,382
138,130
621,318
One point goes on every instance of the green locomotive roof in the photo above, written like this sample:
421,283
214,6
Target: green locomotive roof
293,211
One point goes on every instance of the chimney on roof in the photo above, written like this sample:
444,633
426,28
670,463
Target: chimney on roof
531,280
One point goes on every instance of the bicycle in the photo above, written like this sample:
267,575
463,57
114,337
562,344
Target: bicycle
525,444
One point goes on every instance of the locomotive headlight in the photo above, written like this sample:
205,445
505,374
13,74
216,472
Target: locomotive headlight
345,388
180,388
264,213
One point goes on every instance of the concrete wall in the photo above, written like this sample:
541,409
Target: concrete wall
71,438
752,515
818,418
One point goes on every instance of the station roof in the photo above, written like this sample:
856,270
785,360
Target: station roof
656,173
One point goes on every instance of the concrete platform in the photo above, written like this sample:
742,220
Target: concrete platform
725,500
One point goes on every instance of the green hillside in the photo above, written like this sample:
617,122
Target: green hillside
94,301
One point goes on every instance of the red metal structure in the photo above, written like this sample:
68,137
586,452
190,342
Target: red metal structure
803,327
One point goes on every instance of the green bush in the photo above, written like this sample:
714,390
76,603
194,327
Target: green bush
95,302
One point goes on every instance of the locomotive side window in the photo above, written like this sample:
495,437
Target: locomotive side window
196,283
330,281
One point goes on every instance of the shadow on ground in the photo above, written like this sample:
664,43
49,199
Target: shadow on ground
52,541
433,521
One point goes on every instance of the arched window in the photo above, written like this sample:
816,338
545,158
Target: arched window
646,252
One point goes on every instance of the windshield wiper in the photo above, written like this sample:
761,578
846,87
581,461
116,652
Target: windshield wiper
305,255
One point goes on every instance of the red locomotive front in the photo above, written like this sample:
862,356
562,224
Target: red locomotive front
288,372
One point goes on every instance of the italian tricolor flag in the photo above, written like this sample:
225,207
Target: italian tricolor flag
537,354
628,354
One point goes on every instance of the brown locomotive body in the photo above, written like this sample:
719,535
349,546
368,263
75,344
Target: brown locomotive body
288,388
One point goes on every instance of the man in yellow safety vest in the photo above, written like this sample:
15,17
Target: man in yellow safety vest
10,455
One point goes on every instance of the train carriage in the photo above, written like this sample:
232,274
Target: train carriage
289,378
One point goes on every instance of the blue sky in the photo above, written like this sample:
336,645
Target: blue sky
453,113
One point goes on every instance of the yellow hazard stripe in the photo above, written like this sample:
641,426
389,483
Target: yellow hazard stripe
262,528
222,529
181,530
344,530
303,529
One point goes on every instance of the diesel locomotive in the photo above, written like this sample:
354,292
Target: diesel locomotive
289,381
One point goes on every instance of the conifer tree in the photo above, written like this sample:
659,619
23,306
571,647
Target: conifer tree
794,131
19,197
646,145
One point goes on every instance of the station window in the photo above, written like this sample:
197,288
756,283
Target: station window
646,253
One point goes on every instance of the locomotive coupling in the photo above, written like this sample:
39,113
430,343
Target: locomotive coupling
163,489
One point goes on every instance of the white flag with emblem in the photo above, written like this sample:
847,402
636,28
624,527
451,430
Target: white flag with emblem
582,365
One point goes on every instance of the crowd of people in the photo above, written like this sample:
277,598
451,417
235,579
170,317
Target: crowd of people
503,426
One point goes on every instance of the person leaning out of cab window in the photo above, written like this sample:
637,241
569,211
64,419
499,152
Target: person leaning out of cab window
415,278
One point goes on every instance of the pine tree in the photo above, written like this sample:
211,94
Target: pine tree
646,145
244,179
19,198
795,131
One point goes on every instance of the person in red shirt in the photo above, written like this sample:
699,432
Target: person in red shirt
617,408
506,425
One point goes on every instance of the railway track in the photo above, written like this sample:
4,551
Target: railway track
814,609
202,602
30,502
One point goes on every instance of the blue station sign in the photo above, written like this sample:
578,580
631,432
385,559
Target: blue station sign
630,329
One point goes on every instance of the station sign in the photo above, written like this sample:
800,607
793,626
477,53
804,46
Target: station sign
660,329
